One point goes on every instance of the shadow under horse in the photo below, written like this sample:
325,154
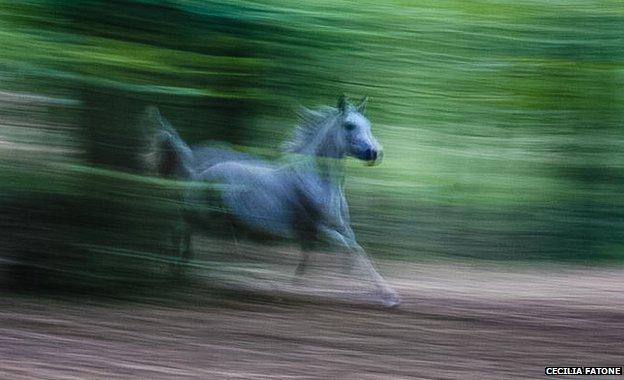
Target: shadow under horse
300,196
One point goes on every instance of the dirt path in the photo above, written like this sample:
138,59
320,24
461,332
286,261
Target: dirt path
457,321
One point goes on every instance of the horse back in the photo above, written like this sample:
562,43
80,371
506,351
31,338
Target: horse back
209,156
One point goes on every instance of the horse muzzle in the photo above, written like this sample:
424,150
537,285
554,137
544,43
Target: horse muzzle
372,157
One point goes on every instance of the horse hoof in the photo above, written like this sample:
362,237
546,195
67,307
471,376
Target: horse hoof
390,300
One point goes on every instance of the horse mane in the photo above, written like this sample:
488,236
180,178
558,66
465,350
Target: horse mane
312,124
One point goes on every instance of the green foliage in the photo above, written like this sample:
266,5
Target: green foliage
501,120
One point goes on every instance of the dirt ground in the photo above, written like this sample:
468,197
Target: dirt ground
457,321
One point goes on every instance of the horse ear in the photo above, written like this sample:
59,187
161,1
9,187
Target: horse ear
342,103
362,106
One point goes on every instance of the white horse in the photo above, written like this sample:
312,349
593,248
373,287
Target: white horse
300,197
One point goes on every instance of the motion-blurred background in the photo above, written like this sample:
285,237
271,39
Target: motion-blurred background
501,122
502,127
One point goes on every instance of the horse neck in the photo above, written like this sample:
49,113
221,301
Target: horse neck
323,157
331,171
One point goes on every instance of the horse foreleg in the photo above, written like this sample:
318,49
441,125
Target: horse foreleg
388,295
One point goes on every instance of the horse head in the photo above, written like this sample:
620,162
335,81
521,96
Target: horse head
354,131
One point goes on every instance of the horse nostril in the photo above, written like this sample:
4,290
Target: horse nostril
373,155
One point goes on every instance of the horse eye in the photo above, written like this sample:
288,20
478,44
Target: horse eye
349,126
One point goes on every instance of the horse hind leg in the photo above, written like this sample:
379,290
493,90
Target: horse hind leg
181,248
186,249
303,263
306,243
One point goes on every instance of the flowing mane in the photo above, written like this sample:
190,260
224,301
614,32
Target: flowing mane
313,125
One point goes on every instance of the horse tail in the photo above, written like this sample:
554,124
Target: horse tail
165,153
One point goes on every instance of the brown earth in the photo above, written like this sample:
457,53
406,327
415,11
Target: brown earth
457,321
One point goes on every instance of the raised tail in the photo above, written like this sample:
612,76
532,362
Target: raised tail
165,154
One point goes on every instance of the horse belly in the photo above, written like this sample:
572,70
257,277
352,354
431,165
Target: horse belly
254,197
261,210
